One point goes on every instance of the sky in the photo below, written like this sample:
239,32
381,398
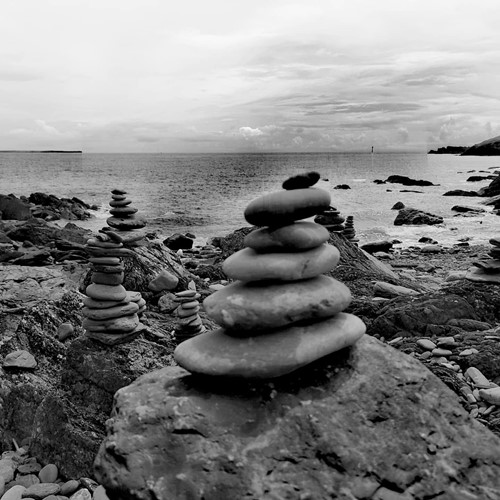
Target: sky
196,76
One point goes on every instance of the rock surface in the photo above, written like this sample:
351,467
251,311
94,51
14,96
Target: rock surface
489,147
364,417
416,217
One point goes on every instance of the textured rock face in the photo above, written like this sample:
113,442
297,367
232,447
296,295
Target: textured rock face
417,217
490,147
363,419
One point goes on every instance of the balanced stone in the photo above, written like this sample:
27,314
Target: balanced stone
274,354
112,234
190,305
120,203
114,339
105,261
123,211
108,269
106,292
104,304
291,238
249,265
134,296
118,197
107,278
185,313
103,244
121,324
118,191
283,207
301,181
108,252
126,224
250,306
111,312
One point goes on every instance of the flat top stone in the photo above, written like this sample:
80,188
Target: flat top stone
283,207
118,191
290,238
249,265
106,292
269,355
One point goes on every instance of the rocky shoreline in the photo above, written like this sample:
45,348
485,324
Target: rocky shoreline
416,300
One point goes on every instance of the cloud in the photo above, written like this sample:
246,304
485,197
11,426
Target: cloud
250,132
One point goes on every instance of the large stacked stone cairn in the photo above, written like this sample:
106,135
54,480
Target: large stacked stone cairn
111,312
281,313
487,270
349,232
189,323
331,219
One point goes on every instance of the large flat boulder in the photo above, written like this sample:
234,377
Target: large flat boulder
365,422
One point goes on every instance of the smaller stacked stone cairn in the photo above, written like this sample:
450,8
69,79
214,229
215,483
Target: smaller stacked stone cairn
349,231
124,219
331,219
487,271
189,323
111,312
282,312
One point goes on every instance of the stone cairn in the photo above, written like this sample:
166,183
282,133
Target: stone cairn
487,271
281,313
349,231
189,323
331,219
111,312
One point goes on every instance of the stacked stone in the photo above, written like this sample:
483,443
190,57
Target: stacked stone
331,219
189,323
487,271
111,312
124,219
349,231
281,313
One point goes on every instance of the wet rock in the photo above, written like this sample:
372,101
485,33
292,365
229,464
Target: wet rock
178,241
407,181
412,216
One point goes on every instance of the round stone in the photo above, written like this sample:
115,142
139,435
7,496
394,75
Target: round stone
249,265
266,356
106,261
131,236
106,292
111,312
291,238
327,219
119,203
41,490
49,473
118,191
301,181
121,324
126,224
107,278
111,234
19,359
186,313
134,296
283,207
260,306
123,211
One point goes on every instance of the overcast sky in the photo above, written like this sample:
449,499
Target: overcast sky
260,75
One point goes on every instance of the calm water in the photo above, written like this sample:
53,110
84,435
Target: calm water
206,194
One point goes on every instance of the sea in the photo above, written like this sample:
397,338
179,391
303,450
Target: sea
206,194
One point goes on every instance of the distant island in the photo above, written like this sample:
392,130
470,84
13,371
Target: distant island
33,151
448,150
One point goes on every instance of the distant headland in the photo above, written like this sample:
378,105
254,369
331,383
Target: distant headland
34,151
489,147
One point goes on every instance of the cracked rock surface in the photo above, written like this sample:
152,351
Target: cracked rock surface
366,422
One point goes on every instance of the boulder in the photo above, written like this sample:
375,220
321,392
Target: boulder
342,186
369,422
12,208
178,242
50,207
412,216
460,192
407,181
398,205
492,189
